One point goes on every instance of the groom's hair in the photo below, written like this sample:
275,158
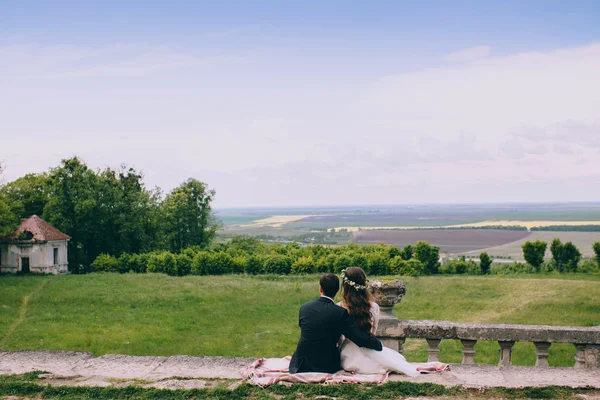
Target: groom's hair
330,283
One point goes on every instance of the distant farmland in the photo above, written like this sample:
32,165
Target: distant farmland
583,241
449,240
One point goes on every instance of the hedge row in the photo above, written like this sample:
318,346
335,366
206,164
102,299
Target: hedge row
238,257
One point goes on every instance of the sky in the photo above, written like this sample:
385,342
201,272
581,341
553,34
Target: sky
275,103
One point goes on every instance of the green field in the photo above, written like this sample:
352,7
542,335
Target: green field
154,314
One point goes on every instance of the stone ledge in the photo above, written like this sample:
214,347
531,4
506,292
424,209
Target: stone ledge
87,370
502,332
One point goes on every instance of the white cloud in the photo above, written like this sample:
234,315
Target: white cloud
471,54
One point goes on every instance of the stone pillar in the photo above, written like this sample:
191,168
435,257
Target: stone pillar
592,356
391,343
394,343
541,353
468,351
433,349
579,356
505,352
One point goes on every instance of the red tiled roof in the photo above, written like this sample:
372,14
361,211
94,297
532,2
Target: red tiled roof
41,230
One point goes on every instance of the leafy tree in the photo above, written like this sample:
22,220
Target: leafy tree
571,257
485,262
534,253
188,217
72,208
27,195
596,248
565,256
8,220
428,255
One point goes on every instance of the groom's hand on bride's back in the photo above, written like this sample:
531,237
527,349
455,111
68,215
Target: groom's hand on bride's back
360,338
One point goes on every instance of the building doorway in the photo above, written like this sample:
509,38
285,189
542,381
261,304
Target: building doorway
25,265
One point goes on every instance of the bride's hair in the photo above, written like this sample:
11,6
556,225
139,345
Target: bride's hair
357,297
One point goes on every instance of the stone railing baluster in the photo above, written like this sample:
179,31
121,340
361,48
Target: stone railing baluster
468,351
433,349
505,352
579,356
541,353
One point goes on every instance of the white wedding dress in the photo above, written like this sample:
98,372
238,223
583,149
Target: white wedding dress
366,361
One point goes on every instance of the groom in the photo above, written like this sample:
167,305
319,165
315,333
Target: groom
321,324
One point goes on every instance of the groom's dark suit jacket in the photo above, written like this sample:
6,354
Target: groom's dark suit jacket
321,324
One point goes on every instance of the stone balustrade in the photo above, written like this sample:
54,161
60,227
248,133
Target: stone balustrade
393,333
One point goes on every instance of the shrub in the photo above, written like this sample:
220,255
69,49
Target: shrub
254,265
105,263
239,264
565,256
407,252
200,263
596,248
323,265
485,261
512,268
378,263
361,261
400,266
304,265
428,255
588,266
184,264
125,262
164,262
278,264
534,252
220,263
342,262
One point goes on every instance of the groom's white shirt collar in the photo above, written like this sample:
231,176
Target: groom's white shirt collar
328,298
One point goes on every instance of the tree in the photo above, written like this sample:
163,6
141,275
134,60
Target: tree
188,219
534,253
27,195
571,257
429,256
596,248
107,211
556,248
566,256
8,220
72,208
485,261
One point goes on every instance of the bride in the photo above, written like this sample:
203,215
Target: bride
357,300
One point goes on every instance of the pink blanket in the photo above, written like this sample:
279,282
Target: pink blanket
267,371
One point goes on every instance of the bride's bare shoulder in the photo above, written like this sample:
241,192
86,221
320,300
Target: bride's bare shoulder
342,304
374,306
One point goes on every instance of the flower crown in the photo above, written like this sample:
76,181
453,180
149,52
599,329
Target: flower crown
352,283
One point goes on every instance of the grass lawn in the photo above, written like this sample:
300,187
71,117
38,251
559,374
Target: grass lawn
154,314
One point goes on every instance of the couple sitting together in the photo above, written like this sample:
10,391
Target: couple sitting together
340,336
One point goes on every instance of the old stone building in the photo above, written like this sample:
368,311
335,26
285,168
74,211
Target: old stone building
35,246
